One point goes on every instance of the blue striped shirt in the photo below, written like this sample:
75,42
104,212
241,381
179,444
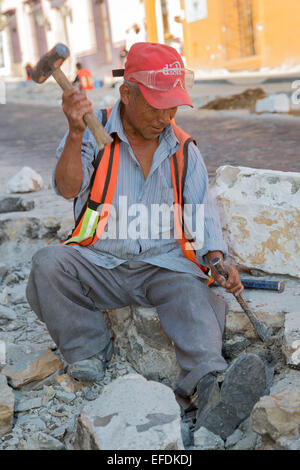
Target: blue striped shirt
132,187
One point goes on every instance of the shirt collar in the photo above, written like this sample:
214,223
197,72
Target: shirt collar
114,124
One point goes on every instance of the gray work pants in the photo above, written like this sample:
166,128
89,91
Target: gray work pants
67,292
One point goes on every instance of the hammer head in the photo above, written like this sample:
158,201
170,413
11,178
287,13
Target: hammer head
49,63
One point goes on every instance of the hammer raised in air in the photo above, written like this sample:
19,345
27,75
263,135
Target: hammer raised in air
49,65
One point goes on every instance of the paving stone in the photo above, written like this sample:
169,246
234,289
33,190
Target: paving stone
131,413
206,440
34,367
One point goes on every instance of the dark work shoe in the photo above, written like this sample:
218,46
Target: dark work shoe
223,406
92,369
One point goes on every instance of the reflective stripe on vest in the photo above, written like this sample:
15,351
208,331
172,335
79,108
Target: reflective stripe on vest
91,223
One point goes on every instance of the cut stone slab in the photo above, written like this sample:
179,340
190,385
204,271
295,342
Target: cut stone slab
6,408
15,204
206,440
131,414
34,367
260,216
25,181
277,103
278,415
140,338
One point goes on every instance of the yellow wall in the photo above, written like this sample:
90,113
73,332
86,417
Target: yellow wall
281,32
203,39
276,31
276,26
150,20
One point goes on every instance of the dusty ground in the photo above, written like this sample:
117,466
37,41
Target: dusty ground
29,136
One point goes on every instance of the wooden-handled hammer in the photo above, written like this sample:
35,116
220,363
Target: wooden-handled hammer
263,332
49,65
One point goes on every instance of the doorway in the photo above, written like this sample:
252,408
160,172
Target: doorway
238,28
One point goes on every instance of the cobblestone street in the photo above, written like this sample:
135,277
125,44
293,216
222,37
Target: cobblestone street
29,136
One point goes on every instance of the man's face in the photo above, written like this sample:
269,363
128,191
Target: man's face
147,121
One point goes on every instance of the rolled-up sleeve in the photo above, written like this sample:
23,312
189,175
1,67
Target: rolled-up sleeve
89,151
198,195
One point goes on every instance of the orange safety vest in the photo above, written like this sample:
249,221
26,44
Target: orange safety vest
90,224
86,79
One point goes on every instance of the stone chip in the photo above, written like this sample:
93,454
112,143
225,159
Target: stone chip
32,368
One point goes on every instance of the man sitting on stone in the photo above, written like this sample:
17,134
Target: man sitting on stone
150,162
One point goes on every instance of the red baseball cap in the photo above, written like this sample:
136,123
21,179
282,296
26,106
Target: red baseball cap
164,87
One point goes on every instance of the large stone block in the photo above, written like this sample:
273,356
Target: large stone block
260,213
140,338
131,414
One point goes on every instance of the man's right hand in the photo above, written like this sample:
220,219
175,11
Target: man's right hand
75,105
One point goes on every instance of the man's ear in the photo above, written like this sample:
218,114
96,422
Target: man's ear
125,93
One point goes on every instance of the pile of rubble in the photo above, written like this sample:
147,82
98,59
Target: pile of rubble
41,407
255,100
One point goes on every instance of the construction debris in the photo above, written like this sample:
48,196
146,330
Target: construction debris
245,100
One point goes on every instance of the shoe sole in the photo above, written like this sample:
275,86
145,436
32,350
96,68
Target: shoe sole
244,384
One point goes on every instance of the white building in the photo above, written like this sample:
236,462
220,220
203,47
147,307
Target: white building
34,26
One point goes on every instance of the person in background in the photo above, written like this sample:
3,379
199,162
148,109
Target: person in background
28,68
83,78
